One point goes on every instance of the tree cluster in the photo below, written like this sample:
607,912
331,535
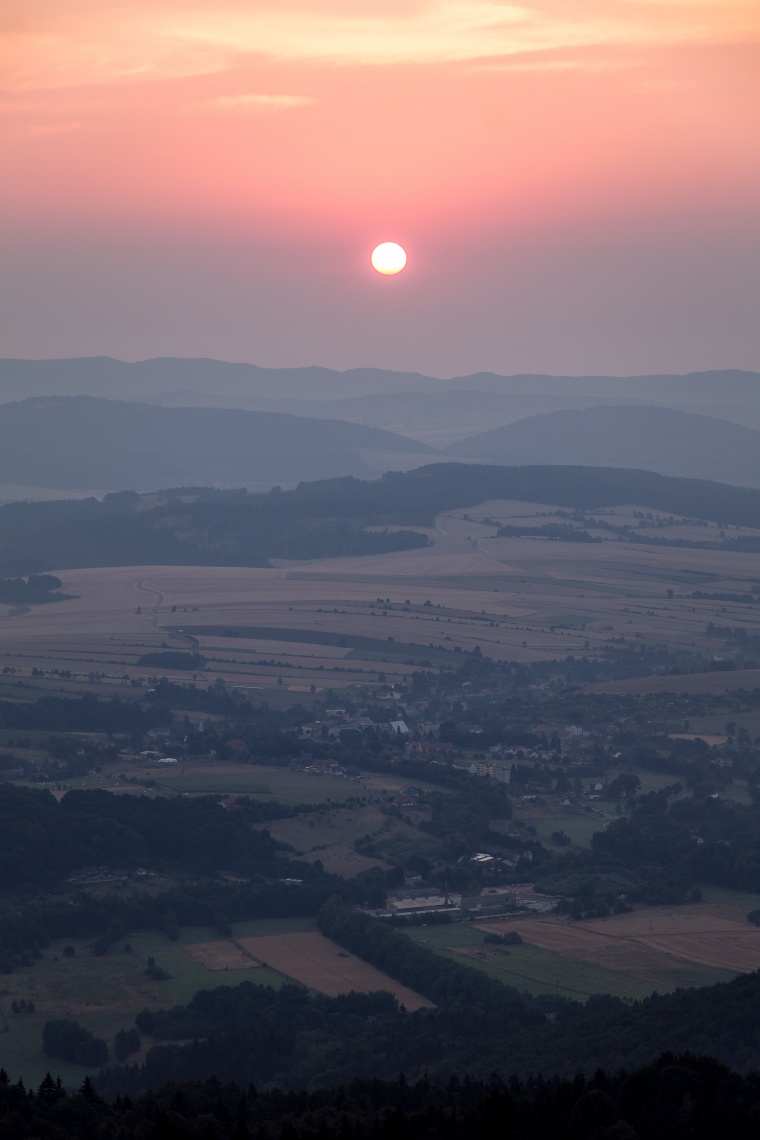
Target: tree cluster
67,1040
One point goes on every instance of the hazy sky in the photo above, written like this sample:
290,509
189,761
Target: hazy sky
576,182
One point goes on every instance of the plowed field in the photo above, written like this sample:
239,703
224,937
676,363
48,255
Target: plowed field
321,964
709,934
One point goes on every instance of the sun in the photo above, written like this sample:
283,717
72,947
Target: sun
388,258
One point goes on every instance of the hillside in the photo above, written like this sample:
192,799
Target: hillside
436,418
79,441
727,394
658,439
325,519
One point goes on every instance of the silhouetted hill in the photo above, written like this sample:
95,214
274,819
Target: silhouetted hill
729,384
144,379
728,394
79,441
327,518
657,439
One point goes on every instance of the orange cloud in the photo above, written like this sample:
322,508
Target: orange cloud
48,45
473,114
254,104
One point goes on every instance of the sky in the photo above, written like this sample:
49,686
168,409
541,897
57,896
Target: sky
576,182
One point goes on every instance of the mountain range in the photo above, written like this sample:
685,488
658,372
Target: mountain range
104,424
727,394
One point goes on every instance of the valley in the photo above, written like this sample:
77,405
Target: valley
541,717
338,622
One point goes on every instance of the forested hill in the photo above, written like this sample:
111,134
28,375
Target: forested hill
77,441
326,518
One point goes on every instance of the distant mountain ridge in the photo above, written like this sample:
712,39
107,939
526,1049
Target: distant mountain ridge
105,377
81,441
200,378
414,417
435,418
654,439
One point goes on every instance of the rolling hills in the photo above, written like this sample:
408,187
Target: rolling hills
657,439
84,442
377,397
98,424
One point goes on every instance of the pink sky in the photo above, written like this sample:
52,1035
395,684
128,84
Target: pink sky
576,182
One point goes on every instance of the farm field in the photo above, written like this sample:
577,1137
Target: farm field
527,967
222,954
718,682
207,777
630,955
322,965
666,946
201,776
716,726
105,993
537,968
262,782
299,628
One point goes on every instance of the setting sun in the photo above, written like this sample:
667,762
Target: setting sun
388,258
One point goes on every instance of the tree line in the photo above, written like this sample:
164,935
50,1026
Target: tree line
675,1097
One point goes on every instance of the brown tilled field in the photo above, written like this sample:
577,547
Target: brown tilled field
314,960
709,934
221,955
715,935
523,599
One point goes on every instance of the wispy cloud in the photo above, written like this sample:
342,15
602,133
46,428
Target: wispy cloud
38,129
555,63
254,104
85,42
452,30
